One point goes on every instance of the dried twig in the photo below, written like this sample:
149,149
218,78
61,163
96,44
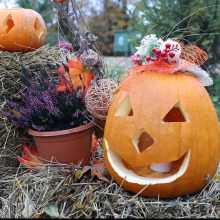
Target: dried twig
83,40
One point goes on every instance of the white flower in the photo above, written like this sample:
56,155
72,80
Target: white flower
147,43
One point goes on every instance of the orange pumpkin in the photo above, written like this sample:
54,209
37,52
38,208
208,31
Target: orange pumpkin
21,30
162,135
78,74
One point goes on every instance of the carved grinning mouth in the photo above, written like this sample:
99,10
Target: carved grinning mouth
150,177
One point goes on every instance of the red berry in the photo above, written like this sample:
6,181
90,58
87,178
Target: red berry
158,52
137,62
148,58
165,59
154,50
167,45
172,55
163,54
155,59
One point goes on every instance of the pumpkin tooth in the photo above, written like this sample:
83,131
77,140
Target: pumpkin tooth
162,167
41,35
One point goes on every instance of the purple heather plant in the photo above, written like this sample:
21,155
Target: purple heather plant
42,108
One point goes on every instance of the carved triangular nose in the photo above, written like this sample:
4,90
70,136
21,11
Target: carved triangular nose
142,141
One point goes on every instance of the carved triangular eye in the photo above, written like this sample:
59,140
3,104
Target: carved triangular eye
8,24
176,114
125,108
37,25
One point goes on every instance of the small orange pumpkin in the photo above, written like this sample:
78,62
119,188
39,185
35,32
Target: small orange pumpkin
162,135
21,30
78,74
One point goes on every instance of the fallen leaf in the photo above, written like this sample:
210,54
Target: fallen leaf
97,170
216,176
79,206
77,174
29,157
95,143
52,210
38,214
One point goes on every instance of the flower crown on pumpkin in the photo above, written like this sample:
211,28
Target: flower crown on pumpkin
169,56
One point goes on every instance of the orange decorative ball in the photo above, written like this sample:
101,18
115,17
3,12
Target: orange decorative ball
162,135
21,30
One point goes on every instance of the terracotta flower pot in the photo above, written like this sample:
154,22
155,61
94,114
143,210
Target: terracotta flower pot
65,146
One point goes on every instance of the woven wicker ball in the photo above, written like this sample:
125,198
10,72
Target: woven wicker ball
89,57
99,97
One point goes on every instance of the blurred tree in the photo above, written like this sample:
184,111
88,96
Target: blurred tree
46,9
109,16
102,17
76,10
192,21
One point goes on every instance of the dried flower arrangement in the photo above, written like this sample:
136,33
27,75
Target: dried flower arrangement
84,42
43,108
84,47
169,56
52,106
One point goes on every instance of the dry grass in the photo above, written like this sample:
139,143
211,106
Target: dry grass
25,193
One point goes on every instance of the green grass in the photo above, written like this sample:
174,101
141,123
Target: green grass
115,72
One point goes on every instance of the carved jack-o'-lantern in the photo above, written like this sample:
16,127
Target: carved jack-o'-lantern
162,135
21,29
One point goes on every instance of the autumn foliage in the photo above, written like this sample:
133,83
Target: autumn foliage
77,73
